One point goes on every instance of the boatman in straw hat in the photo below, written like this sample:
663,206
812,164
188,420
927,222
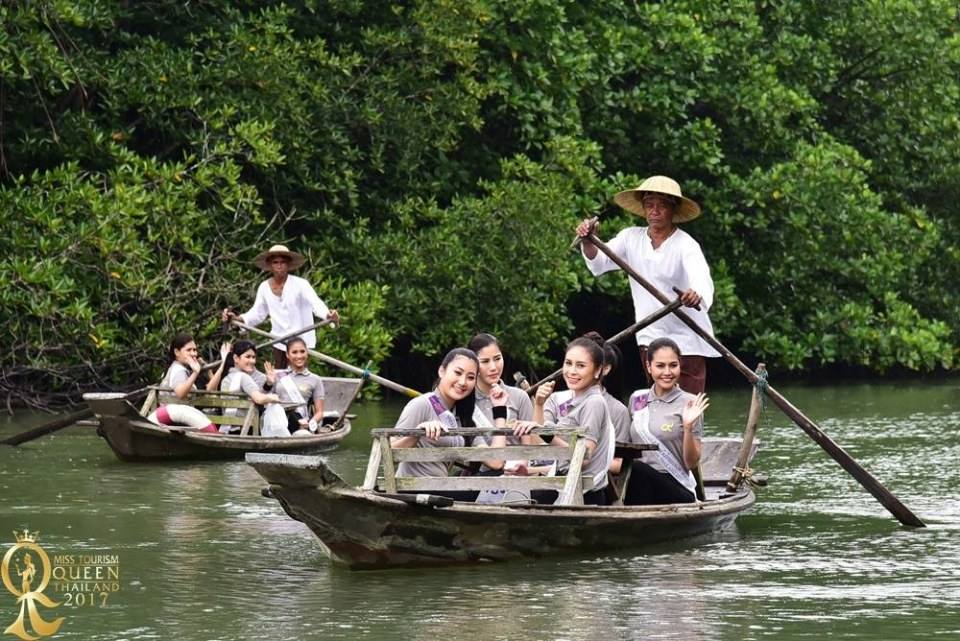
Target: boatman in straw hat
668,257
288,300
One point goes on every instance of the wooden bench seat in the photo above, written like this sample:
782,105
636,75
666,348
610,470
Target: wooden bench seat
205,402
570,487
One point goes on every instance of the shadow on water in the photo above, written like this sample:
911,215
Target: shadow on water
204,556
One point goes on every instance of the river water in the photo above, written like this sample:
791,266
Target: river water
200,554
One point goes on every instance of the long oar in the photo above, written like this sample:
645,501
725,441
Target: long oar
867,480
56,424
613,340
397,387
279,339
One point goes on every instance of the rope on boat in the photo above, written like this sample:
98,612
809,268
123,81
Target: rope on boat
762,385
746,475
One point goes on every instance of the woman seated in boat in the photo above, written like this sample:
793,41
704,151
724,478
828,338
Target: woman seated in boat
181,377
185,366
619,414
299,385
449,406
581,405
245,377
671,418
518,410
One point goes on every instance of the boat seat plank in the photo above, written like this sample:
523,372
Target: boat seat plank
469,454
475,483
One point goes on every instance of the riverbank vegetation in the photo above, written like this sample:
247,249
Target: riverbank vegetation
432,159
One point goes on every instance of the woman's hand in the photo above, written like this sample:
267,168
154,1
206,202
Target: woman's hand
271,398
269,372
545,390
498,396
693,410
225,351
522,428
194,365
227,315
433,430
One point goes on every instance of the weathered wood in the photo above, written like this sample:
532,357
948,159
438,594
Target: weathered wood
572,493
476,483
509,452
366,529
749,433
837,453
386,459
373,466
150,402
544,430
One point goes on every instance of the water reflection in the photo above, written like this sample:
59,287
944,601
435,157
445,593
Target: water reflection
204,556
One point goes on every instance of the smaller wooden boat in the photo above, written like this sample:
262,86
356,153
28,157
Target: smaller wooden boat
376,526
134,438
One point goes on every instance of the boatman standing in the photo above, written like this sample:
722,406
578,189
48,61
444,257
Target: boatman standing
288,300
668,257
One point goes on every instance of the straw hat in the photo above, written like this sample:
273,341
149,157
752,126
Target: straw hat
263,259
632,199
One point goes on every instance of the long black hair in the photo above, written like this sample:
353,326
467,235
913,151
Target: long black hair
463,409
178,342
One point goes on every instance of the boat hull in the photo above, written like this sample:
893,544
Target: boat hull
133,438
367,530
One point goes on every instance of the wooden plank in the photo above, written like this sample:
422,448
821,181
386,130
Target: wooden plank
475,483
149,403
572,493
373,467
546,430
749,433
248,421
510,452
205,401
389,470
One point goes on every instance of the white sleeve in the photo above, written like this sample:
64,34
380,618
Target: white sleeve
259,312
320,309
601,263
698,274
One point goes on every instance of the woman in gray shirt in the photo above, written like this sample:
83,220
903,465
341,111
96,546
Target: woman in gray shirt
672,419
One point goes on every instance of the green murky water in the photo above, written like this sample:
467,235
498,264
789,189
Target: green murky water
201,555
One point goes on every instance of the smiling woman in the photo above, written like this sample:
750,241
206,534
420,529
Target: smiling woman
449,405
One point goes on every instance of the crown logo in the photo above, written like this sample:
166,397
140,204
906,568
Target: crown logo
27,536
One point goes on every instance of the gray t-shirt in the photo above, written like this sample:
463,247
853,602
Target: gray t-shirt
176,374
308,384
417,411
519,407
589,412
666,422
619,416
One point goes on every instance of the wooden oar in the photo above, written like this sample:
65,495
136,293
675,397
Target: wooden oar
397,387
613,340
279,339
57,424
837,453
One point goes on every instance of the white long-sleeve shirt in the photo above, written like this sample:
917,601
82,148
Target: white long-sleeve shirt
678,262
293,309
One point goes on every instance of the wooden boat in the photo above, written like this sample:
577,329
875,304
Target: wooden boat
364,527
134,438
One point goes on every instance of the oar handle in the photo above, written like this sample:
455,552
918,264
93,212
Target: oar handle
867,480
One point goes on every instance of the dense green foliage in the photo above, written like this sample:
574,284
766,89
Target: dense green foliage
433,157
